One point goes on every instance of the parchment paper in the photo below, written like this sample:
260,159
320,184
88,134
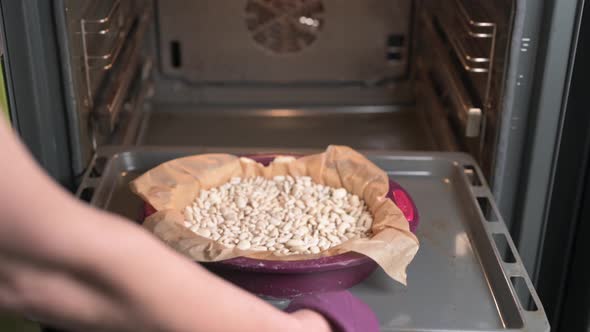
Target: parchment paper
173,185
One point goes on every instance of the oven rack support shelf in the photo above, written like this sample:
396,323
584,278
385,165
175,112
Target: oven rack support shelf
467,275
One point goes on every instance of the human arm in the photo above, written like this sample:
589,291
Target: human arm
80,268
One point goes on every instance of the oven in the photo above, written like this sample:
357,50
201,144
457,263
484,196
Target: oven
92,84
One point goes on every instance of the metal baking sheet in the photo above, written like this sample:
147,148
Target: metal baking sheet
467,275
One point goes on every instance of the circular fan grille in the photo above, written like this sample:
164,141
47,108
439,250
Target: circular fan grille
284,26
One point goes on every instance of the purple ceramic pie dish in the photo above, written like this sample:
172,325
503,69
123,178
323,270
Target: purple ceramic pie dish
288,279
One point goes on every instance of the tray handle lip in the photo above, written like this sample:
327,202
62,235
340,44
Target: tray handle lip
532,320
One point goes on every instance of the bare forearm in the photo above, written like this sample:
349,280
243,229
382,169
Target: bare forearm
130,280
177,295
100,271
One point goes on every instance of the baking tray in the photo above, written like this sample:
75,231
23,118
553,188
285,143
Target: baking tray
467,275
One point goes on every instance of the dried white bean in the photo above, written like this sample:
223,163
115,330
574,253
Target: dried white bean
204,232
314,241
348,219
295,243
339,193
284,238
343,227
287,227
241,202
244,245
302,231
333,238
284,214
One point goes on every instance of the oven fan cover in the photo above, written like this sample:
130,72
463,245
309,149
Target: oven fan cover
235,47
284,26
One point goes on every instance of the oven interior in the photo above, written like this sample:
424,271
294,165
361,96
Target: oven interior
152,80
374,75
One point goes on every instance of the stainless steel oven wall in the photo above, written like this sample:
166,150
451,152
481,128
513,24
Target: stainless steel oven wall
260,53
241,52
237,63
461,47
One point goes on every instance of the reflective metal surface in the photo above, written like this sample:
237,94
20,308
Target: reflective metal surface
461,279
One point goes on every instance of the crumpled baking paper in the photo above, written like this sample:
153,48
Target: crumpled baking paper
173,185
